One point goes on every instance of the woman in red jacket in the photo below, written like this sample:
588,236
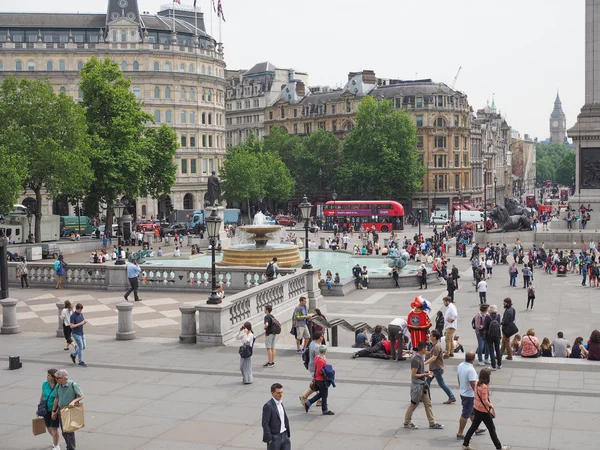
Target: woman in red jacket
320,362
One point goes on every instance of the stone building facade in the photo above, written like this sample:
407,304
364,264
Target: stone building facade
175,67
249,93
440,113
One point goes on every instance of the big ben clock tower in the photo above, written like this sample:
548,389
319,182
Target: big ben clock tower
558,123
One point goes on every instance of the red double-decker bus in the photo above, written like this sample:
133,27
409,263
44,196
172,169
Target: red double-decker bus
384,215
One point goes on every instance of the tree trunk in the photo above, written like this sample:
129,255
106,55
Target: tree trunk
249,212
38,215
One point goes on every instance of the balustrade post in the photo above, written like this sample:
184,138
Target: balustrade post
59,330
125,331
9,316
334,336
188,324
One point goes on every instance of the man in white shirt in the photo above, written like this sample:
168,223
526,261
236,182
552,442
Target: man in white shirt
275,423
467,377
397,329
450,324
482,289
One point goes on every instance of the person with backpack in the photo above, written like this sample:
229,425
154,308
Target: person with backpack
59,268
482,346
509,327
272,270
493,333
308,358
322,378
300,319
530,295
272,329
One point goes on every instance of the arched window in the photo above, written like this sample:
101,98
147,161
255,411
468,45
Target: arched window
1,65
62,90
183,94
123,36
137,92
439,122
18,65
30,66
79,65
124,66
182,67
168,116
62,66
183,117
156,92
210,118
157,116
191,68
168,92
49,65
209,70
203,70
156,66
167,66
192,117
136,66
203,95
192,94
209,95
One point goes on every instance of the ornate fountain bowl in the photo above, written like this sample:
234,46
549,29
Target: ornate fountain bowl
259,233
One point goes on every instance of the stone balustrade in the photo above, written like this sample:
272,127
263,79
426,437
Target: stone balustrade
220,324
169,278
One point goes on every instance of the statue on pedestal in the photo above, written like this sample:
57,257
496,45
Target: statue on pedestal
214,189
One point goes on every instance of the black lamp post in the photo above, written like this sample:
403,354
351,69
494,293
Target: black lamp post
495,190
460,208
419,213
213,225
29,217
484,198
334,197
305,209
118,209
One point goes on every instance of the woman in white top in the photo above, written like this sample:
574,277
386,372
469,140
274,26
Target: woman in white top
177,252
246,349
65,316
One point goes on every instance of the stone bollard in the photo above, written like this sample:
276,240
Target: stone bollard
188,324
60,331
125,331
323,244
9,316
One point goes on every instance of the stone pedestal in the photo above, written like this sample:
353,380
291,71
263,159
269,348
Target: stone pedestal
9,316
125,331
59,329
188,324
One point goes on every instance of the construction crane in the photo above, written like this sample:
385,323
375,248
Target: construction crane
456,77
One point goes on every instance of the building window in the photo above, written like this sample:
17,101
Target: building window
191,68
210,141
183,117
456,142
124,66
156,92
457,161
203,70
439,122
398,103
79,93
456,121
114,35
167,66
332,109
193,143
168,92
137,92
440,101
182,67
209,70
30,66
204,142
136,66
62,90
334,125
457,181
270,115
192,94
420,142
62,66
183,140
419,121
184,166
123,36
348,106
210,118
282,112
192,117
211,165
203,166
203,118
183,94
440,141
209,95
168,116
419,102
156,66
295,128
50,65
79,64
18,66
157,116
192,162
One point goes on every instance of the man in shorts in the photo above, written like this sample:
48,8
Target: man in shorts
300,319
269,337
467,378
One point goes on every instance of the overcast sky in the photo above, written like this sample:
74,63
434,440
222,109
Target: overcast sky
521,50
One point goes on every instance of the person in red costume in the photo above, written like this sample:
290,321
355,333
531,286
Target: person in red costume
418,321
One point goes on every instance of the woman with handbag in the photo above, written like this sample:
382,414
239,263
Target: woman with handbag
22,272
247,338
44,408
530,295
483,412
530,346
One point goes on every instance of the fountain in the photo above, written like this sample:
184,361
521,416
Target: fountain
254,248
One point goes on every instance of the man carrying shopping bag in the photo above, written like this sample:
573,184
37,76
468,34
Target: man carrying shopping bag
66,404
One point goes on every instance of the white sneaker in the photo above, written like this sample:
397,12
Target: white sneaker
481,363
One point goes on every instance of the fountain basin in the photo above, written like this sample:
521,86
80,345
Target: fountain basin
250,255
259,233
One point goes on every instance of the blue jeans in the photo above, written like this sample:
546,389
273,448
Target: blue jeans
322,395
80,341
513,279
482,348
439,377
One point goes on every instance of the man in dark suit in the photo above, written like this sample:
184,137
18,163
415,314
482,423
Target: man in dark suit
275,423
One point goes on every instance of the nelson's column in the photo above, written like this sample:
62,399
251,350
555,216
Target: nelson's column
586,132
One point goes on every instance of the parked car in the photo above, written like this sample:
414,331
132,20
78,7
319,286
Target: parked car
439,220
177,228
50,251
286,221
147,224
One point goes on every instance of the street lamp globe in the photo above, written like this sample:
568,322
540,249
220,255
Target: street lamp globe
305,208
334,196
213,223
118,209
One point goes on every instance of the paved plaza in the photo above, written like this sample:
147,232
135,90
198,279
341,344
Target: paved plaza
153,393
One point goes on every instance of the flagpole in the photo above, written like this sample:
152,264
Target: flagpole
173,16
211,19
196,20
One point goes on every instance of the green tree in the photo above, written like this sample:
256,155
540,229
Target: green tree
565,172
544,171
548,158
127,158
319,151
380,153
280,142
12,177
276,183
47,133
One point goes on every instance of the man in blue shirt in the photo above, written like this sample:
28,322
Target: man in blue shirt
133,270
77,323
361,340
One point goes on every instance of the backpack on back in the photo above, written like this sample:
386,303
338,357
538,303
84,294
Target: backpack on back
56,265
275,326
270,270
306,357
494,330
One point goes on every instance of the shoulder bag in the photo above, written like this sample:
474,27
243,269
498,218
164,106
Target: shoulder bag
246,350
491,411
539,353
42,408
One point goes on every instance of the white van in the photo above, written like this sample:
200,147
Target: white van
440,218
468,216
